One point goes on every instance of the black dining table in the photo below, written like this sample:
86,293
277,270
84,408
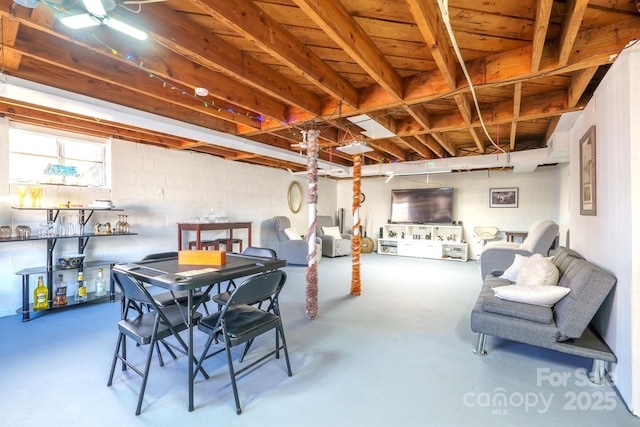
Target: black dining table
168,274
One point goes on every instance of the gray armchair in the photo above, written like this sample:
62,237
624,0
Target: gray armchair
331,245
498,256
294,250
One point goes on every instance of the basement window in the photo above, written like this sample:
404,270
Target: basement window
44,156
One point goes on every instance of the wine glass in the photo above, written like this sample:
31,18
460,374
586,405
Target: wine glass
125,225
22,193
118,227
33,190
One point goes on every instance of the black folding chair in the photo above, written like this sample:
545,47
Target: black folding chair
240,322
254,251
146,328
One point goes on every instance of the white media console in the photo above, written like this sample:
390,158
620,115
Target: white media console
423,241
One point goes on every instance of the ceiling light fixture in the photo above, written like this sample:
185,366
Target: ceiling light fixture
97,15
355,147
31,4
372,129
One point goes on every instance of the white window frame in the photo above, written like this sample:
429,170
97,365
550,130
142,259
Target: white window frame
57,173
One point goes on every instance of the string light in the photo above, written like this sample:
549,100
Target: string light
206,103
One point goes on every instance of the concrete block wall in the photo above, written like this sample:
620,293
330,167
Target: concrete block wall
156,188
539,194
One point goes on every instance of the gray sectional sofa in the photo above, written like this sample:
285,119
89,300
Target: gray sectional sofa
564,327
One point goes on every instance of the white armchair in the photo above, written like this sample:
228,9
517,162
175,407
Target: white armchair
334,243
498,256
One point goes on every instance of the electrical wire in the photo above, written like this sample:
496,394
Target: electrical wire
444,11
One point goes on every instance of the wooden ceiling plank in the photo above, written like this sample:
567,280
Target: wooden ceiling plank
199,45
512,136
445,142
419,148
10,57
464,105
74,82
573,15
551,127
539,106
420,115
477,140
543,12
335,21
431,144
517,99
244,17
180,68
427,17
388,147
595,46
24,113
579,82
80,61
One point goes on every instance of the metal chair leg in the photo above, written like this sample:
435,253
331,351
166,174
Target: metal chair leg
246,350
115,360
280,331
232,374
144,380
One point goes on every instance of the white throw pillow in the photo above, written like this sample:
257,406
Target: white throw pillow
537,295
332,231
511,273
538,271
292,233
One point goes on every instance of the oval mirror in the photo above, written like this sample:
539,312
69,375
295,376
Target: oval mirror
294,197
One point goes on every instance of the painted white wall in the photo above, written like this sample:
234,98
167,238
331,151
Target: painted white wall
539,194
157,188
611,238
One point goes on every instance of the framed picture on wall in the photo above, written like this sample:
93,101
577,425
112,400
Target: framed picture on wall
588,172
503,197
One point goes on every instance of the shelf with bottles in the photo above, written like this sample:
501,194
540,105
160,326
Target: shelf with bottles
71,302
27,307
54,229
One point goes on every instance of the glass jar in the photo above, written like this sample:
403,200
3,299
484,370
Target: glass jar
5,232
23,231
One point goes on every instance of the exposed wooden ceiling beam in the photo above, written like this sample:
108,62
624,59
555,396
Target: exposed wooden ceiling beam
573,14
517,98
445,142
335,21
244,17
541,26
390,148
432,144
429,21
199,45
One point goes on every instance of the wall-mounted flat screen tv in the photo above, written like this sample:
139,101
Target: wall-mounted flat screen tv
422,205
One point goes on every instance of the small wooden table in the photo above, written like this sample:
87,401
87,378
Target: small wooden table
205,226
512,236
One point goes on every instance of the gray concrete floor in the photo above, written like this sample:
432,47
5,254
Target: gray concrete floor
398,355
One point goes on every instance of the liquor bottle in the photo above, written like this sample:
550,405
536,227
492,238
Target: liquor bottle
101,284
81,294
40,296
60,294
